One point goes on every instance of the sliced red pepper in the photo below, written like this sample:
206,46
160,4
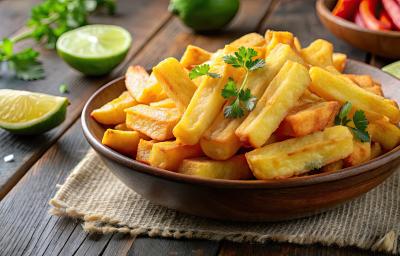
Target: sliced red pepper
393,9
367,8
384,18
346,9
358,20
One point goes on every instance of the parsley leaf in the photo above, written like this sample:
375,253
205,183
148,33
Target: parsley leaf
229,89
233,110
202,70
63,88
243,100
359,119
23,64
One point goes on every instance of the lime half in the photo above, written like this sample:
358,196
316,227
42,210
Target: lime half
393,69
27,113
94,49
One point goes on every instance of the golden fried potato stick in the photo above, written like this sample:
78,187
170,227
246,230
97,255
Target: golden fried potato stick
169,155
366,82
142,87
165,103
308,118
124,142
249,40
318,53
204,106
300,155
361,153
339,61
335,87
143,150
385,133
219,141
235,168
157,123
175,81
273,38
193,56
281,95
112,113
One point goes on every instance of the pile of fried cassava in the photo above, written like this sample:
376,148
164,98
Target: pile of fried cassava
262,107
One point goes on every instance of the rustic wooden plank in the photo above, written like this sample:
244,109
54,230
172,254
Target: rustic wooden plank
172,39
158,246
135,17
27,228
119,245
299,17
272,249
13,14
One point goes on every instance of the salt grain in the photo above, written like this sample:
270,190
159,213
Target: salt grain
9,158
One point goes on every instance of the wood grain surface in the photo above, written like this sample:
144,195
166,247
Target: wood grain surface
44,161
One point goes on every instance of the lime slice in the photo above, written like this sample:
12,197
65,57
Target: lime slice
94,49
27,113
393,69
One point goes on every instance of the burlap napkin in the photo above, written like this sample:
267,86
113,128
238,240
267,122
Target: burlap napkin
93,194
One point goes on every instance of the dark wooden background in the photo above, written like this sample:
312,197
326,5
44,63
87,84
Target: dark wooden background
41,162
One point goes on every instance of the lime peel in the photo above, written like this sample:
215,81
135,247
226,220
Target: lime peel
27,113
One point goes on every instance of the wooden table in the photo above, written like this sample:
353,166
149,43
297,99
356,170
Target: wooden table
42,162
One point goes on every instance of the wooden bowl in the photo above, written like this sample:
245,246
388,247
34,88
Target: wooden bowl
382,43
252,200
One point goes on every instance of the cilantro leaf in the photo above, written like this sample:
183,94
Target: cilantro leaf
229,89
360,135
250,104
202,70
63,88
258,63
243,99
26,66
359,119
233,110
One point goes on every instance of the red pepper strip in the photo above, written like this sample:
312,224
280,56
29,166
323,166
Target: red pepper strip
358,20
393,9
346,8
366,8
385,19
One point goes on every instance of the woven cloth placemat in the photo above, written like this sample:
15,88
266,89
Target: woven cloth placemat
92,193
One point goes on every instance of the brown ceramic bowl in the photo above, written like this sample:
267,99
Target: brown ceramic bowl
382,43
252,200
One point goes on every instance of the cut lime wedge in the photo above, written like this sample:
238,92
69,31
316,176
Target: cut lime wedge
393,69
94,49
27,113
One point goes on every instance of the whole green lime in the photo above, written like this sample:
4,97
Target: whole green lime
205,15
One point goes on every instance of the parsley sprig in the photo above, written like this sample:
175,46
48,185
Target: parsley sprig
202,70
359,119
241,99
48,20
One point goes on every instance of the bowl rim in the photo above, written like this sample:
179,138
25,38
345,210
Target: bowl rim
323,10
220,183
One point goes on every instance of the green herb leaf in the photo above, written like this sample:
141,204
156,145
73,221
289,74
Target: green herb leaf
26,66
63,88
360,135
243,99
229,89
359,119
202,70
244,58
233,110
